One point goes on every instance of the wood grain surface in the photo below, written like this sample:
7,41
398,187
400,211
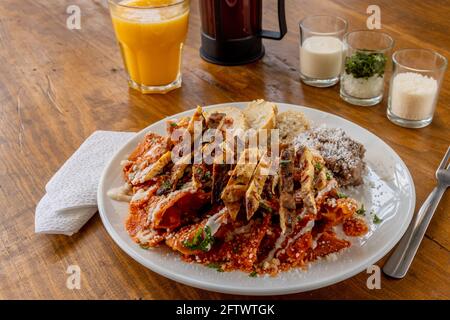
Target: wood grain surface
57,86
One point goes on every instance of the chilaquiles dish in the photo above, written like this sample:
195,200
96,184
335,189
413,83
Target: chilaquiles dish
249,205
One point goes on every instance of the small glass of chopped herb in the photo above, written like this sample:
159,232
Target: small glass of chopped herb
366,55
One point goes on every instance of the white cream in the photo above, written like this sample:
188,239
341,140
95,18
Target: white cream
321,57
122,193
152,150
123,163
142,194
214,222
276,247
281,239
139,176
144,236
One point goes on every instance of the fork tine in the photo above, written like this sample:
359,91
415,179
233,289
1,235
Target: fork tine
445,160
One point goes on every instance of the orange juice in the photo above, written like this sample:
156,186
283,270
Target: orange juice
151,34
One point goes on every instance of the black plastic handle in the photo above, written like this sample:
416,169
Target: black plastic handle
274,35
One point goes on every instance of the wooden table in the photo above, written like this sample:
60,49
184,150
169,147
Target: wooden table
57,86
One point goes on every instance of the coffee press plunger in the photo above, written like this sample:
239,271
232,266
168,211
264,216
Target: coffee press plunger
232,30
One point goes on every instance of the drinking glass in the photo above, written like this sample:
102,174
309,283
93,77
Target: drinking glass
367,53
415,85
151,34
321,49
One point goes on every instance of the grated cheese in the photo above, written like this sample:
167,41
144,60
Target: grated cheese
413,96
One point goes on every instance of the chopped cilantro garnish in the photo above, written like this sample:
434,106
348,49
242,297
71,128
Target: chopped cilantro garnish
318,166
253,274
342,195
165,186
377,219
365,64
329,175
285,162
207,175
173,124
361,211
265,206
216,266
143,246
202,240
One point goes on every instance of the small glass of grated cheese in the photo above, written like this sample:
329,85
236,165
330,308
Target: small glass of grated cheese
415,86
413,96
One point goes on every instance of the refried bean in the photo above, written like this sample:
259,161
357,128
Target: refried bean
343,155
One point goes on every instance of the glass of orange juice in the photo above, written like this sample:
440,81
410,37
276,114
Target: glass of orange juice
151,34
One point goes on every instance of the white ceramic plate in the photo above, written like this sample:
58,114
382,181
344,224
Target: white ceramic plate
388,190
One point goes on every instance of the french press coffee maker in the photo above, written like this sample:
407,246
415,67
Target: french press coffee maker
232,30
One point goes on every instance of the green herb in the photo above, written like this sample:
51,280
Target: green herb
207,175
365,65
285,162
165,186
143,246
361,211
199,171
329,175
265,206
253,274
173,124
342,195
202,240
318,166
216,266
196,239
377,219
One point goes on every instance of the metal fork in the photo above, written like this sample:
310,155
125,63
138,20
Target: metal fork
398,264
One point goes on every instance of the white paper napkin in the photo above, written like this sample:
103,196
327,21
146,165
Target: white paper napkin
71,198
